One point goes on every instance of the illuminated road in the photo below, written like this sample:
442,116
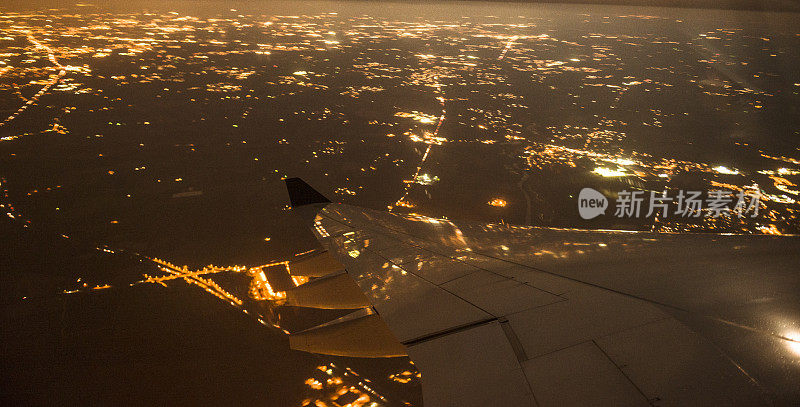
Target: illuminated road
431,141
53,81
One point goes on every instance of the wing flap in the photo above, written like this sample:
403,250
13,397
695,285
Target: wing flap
675,366
412,306
471,367
364,336
581,375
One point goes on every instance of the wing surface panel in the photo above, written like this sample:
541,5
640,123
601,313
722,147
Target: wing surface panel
532,316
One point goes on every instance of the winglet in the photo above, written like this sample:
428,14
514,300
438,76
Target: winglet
301,193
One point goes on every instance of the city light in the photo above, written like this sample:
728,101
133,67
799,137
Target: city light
607,172
498,202
725,170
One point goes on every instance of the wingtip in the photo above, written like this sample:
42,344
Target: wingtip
300,193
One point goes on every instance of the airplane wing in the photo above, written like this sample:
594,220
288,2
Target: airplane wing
518,316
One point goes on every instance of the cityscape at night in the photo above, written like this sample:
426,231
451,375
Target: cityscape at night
148,241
